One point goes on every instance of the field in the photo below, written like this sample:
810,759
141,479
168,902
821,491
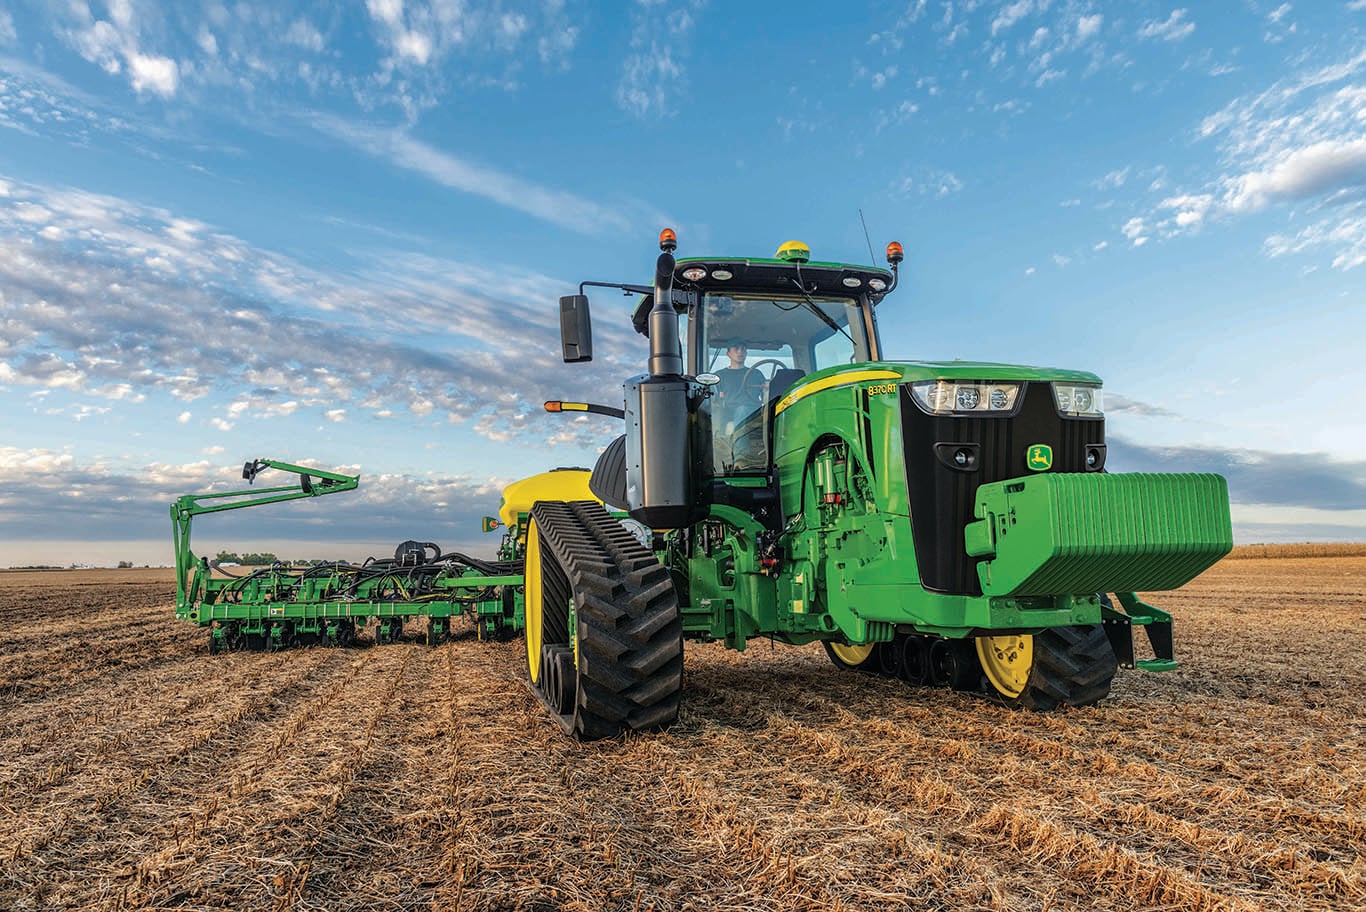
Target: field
138,772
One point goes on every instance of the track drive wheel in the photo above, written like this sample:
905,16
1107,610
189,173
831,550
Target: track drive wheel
603,629
1063,666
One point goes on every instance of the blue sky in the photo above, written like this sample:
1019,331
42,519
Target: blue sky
335,234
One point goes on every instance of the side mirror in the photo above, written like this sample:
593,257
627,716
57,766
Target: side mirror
576,329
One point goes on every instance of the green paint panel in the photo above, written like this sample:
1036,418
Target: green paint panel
1071,534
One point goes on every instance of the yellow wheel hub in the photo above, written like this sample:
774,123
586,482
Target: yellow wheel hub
534,599
1006,660
852,655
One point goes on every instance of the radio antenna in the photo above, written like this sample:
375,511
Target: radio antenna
872,257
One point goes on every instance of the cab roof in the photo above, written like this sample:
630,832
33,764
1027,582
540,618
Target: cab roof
751,274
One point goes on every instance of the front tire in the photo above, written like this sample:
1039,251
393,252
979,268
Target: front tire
1062,666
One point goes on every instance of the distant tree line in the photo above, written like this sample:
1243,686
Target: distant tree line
263,559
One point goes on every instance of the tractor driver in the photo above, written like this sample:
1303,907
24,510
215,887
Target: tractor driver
734,398
738,396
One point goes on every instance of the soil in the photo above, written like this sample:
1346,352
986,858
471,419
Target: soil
136,771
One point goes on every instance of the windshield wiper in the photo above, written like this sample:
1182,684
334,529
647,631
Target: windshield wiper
815,309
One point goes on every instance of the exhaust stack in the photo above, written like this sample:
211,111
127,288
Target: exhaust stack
659,483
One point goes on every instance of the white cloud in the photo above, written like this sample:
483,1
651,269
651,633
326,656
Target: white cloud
413,45
184,418
556,45
1345,237
1029,271
1298,142
653,74
304,34
1089,26
1060,260
7,33
1100,245
1190,208
335,415
284,336
1134,230
390,12
1279,13
153,74
115,45
1114,179
554,206
1174,28
1011,14
930,182
1301,173
511,27
1048,76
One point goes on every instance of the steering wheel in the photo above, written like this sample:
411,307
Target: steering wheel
747,381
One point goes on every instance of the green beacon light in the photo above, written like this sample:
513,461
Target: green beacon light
793,252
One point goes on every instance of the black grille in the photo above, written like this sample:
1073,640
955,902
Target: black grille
942,498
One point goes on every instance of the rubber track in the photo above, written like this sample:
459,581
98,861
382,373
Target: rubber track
630,636
1073,666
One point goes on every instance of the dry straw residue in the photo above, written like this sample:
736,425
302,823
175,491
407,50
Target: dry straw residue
136,771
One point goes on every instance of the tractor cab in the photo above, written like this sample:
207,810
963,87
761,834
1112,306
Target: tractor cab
756,327
751,347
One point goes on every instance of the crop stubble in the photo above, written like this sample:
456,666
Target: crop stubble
138,772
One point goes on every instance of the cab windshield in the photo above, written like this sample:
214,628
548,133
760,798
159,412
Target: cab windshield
760,346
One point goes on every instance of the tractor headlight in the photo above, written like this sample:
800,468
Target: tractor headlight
958,397
1078,400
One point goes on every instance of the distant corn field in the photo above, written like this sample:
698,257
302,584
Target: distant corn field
1307,549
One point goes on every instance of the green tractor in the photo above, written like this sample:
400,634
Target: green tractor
948,523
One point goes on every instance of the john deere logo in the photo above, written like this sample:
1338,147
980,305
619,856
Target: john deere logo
1039,458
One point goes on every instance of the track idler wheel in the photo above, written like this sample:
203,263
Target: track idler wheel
887,657
559,678
915,660
953,664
